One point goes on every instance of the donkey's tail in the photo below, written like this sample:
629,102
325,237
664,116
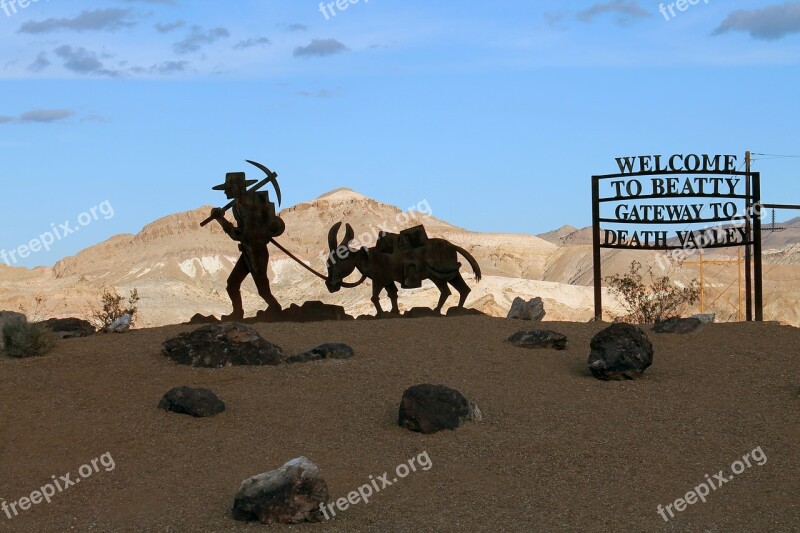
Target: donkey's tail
471,260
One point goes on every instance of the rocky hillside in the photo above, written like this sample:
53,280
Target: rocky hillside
180,268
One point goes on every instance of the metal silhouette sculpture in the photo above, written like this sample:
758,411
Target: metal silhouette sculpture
257,225
407,258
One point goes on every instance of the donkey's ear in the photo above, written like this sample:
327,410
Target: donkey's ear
349,235
333,236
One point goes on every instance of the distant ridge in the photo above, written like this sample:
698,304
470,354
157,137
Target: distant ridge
342,193
568,236
180,268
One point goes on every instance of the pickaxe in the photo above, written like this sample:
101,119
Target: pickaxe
271,177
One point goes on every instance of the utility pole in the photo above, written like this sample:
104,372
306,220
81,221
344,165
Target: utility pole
749,236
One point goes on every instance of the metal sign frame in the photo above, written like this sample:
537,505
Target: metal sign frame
752,197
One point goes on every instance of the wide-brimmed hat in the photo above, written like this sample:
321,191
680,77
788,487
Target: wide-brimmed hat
234,178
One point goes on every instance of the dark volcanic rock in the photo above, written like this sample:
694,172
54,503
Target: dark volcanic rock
290,495
305,357
621,351
309,312
199,403
464,311
203,319
219,345
539,338
384,315
431,408
314,311
422,312
706,318
70,328
323,351
678,325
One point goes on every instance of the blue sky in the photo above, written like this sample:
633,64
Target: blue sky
497,113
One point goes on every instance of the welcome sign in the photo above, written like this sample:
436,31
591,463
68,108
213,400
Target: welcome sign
657,202
646,193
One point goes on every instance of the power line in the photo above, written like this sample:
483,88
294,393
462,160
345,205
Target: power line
767,158
775,156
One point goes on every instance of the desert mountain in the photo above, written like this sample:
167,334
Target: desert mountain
180,268
568,236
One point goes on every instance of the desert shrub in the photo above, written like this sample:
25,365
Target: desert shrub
113,307
656,302
38,312
23,339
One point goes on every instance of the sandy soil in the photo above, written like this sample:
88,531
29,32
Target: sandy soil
558,450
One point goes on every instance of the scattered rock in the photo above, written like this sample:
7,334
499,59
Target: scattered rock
335,351
314,311
382,316
70,328
203,319
323,351
475,414
621,351
530,310
464,311
539,338
431,408
317,311
6,317
706,318
305,357
267,315
290,495
421,312
199,403
120,325
678,325
220,345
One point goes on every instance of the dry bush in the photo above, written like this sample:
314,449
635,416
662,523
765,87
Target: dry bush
24,339
653,303
113,307
38,312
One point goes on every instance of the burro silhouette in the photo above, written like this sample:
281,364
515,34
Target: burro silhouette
257,225
408,258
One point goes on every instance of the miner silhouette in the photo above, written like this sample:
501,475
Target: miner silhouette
257,225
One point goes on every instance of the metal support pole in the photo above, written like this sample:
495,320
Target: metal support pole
598,274
759,272
748,280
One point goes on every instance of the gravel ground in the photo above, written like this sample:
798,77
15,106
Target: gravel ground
557,450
